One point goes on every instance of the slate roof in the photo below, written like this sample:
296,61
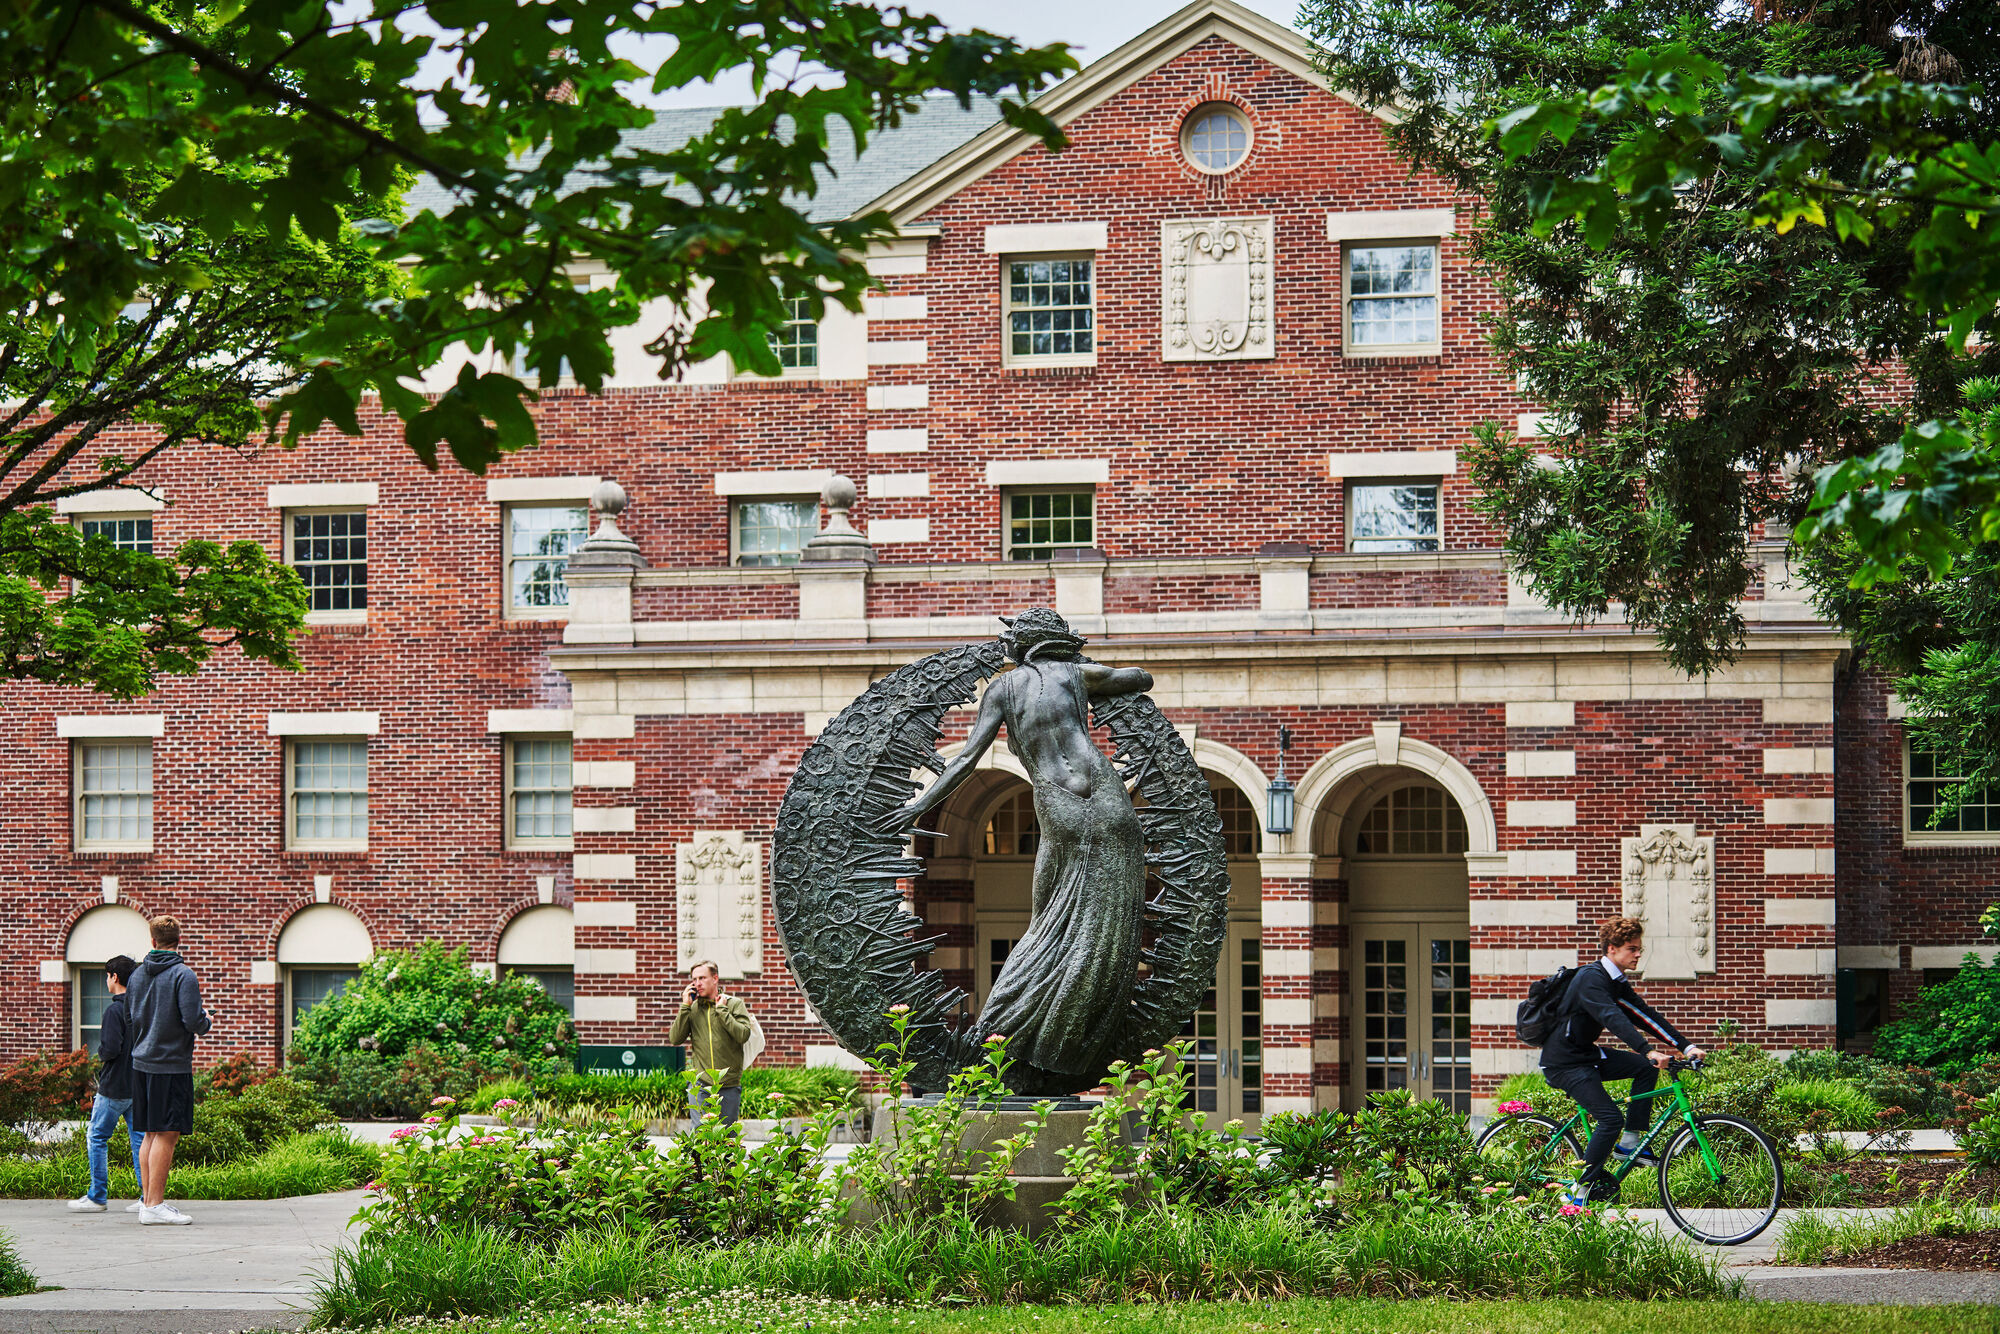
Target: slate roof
893,156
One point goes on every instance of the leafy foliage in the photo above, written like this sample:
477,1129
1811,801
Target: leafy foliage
230,1127
1953,1027
15,1277
1981,1139
45,1087
431,996
323,1160
769,1092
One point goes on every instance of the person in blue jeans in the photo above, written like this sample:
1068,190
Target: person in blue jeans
114,1091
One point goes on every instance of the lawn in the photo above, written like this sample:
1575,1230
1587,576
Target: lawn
308,1164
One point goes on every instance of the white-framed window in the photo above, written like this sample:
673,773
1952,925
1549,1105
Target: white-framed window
1215,138
560,983
127,532
1242,836
114,796
1926,776
796,343
1041,520
539,792
326,794
307,987
1013,830
771,530
540,539
1385,515
329,551
92,990
1389,298
1050,309
1413,821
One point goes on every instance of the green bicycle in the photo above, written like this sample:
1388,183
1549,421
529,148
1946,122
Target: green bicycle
1719,1176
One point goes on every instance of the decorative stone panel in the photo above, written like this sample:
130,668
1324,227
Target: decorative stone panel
719,886
1215,296
1670,886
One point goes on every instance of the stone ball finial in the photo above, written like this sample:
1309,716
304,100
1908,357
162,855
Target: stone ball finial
840,493
608,498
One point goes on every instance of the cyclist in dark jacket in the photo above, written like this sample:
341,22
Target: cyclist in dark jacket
1600,997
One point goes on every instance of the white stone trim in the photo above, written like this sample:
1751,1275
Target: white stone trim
1288,1060
898,397
899,439
1494,1013
607,1009
1520,962
1798,861
1541,814
1798,962
1799,760
827,1056
898,485
1869,956
529,720
1541,764
896,307
607,961
263,972
603,773
606,726
1505,1060
1949,956
351,723
784,482
526,490
1799,912
605,866
1289,1012
886,532
1541,863
1388,224
116,500
1027,238
899,352
54,970
1277,913
1523,912
1288,963
117,726
1393,463
322,495
1325,775
1048,472
1798,710
591,912
604,819
1799,1013
1798,810
1542,713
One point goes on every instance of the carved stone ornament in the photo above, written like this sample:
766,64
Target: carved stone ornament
1669,880
718,889
1215,297
839,858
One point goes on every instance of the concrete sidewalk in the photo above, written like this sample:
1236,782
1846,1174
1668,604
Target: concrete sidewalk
1765,1281
242,1264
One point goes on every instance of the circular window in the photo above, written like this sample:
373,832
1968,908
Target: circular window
1215,138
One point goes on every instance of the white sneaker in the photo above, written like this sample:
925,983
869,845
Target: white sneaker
135,1206
163,1213
83,1204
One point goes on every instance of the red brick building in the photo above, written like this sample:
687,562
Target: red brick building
1198,383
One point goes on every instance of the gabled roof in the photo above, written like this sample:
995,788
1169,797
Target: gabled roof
1099,82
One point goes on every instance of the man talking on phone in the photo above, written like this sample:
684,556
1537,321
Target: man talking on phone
715,1028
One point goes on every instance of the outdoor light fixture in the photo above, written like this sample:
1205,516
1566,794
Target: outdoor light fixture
1278,797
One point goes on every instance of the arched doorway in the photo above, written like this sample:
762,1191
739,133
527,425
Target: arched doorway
540,945
320,950
1402,846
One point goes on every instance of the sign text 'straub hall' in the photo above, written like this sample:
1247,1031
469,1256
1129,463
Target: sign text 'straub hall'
1196,383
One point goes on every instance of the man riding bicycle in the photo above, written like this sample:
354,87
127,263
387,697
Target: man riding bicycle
1600,997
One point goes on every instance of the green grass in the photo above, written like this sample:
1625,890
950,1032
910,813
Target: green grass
310,1164
744,1312
14,1276
768,1091
1815,1238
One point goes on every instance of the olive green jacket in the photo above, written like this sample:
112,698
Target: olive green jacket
714,1033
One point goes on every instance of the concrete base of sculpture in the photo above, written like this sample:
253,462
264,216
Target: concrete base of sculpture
1039,1178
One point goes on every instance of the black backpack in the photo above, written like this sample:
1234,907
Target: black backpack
1538,1015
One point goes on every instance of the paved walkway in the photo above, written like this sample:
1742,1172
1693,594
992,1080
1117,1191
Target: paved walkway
243,1264
1825,1283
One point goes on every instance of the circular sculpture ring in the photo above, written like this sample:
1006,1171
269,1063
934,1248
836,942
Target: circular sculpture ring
838,858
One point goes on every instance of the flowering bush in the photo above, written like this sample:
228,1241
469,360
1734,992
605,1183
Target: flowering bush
433,998
1516,1108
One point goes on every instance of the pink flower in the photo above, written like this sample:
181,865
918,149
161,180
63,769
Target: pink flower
1572,1210
373,1185
504,1103
479,1141
899,1009
1488,1190
434,1120
1516,1108
442,1101
994,1039
405,1132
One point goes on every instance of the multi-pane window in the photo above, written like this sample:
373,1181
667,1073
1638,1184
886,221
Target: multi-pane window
114,795
539,542
329,781
1412,822
560,983
1392,296
1215,138
775,531
310,986
1240,836
330,553
127,532
1051,309
1930,776
1013,830
1397,516
538,790
93,998
796,343
1039,522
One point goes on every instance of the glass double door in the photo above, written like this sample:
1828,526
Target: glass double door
1225,1061
1412,1007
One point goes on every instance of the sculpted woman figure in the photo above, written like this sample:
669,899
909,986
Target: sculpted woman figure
1058,995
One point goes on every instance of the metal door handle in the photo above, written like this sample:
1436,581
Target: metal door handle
1423,1065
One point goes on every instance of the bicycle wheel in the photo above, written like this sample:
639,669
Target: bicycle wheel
1532,1149
1732,1200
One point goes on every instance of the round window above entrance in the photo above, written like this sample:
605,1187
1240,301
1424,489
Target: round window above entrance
1215,138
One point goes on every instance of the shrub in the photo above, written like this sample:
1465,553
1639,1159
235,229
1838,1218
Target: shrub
1953,1027
15,1280
45,1087
233,1074
1981,1137
768,1092
228,1129
432,998
360,1085
1827,1104
303,1165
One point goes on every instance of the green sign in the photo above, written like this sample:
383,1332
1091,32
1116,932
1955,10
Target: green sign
629,1062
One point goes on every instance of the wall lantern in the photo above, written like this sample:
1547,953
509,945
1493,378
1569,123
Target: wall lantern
1278,797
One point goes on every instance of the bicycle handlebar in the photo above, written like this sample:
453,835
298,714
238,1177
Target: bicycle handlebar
1678,1063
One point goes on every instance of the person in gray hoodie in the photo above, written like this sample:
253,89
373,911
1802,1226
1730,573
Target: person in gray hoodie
165,1001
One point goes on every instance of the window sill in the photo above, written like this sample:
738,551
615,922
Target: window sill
1413,355
1977,846
543,851
517,621
97,854
331,618
350,854
1050,370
